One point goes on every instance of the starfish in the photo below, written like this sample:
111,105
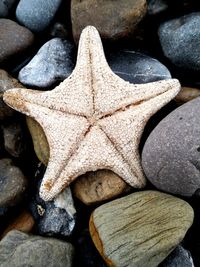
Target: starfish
93,120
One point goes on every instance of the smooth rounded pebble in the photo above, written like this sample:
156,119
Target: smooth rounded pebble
140,230
186,94
5,7
171,154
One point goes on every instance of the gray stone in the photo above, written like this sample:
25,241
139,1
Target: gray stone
36,15
155,7
179,257
180,41
171,154
5,6
136,67
18,249
53,63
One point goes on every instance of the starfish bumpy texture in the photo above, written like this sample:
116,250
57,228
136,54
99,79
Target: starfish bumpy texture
93,119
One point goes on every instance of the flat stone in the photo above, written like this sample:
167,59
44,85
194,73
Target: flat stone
18,249
12,184
52,64
15,39
180,41
95,187
140,229
186,94
5,7
113,19
137,67
170,157
36,15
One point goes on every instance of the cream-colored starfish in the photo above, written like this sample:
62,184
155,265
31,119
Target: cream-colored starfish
93,119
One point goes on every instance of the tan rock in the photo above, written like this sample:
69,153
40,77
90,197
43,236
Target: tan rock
140,230
95,187
186,94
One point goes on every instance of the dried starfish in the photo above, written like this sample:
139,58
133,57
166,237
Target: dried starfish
93,119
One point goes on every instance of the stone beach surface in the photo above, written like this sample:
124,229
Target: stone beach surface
100,220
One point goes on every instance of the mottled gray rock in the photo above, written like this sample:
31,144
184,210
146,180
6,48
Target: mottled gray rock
15,39
5,6
171,154
55,217
53,63
18,249
179,257
12,184
36,15
155,7
136,67
180,41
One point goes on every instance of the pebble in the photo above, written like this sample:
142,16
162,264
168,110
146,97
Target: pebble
5,7
15,39
60,30
186,94
156,7
171,154
136,67
52,64
18,249
113,19
57,217
96,187
12,184
140,229
180,41
36,15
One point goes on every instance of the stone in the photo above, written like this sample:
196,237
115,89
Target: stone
52,64
5,7
15,39
180,41
24,223
95,187
60,30
114,20
57,217
36,15
155,7
179,257
186,94
140,229
19,249
137,67
12,184
170,157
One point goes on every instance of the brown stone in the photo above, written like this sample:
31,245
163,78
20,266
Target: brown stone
113,19
186,94
95,187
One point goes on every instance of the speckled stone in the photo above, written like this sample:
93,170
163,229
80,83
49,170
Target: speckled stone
180,41
18,249
140,229
5,7
52,64
170,157
36,15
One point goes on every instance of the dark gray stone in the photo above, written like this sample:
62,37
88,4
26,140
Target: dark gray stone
5,7
155,7
136,67
180,41
18,249
53,63
60,30
36,15
171,154
179,257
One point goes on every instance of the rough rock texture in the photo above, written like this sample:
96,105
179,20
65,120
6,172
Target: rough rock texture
95,187
5,7
18,249
113,19
180,41
52,64
36,15
14,38
140,229
186,94
170,157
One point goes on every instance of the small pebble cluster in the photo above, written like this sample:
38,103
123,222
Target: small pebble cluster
100,220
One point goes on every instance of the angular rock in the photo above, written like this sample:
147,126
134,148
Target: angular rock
95,187
15,39
170,157
140,229
180,41
5,7
12,184
137,67
186,94
18,249
113,19
52,63
36,15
